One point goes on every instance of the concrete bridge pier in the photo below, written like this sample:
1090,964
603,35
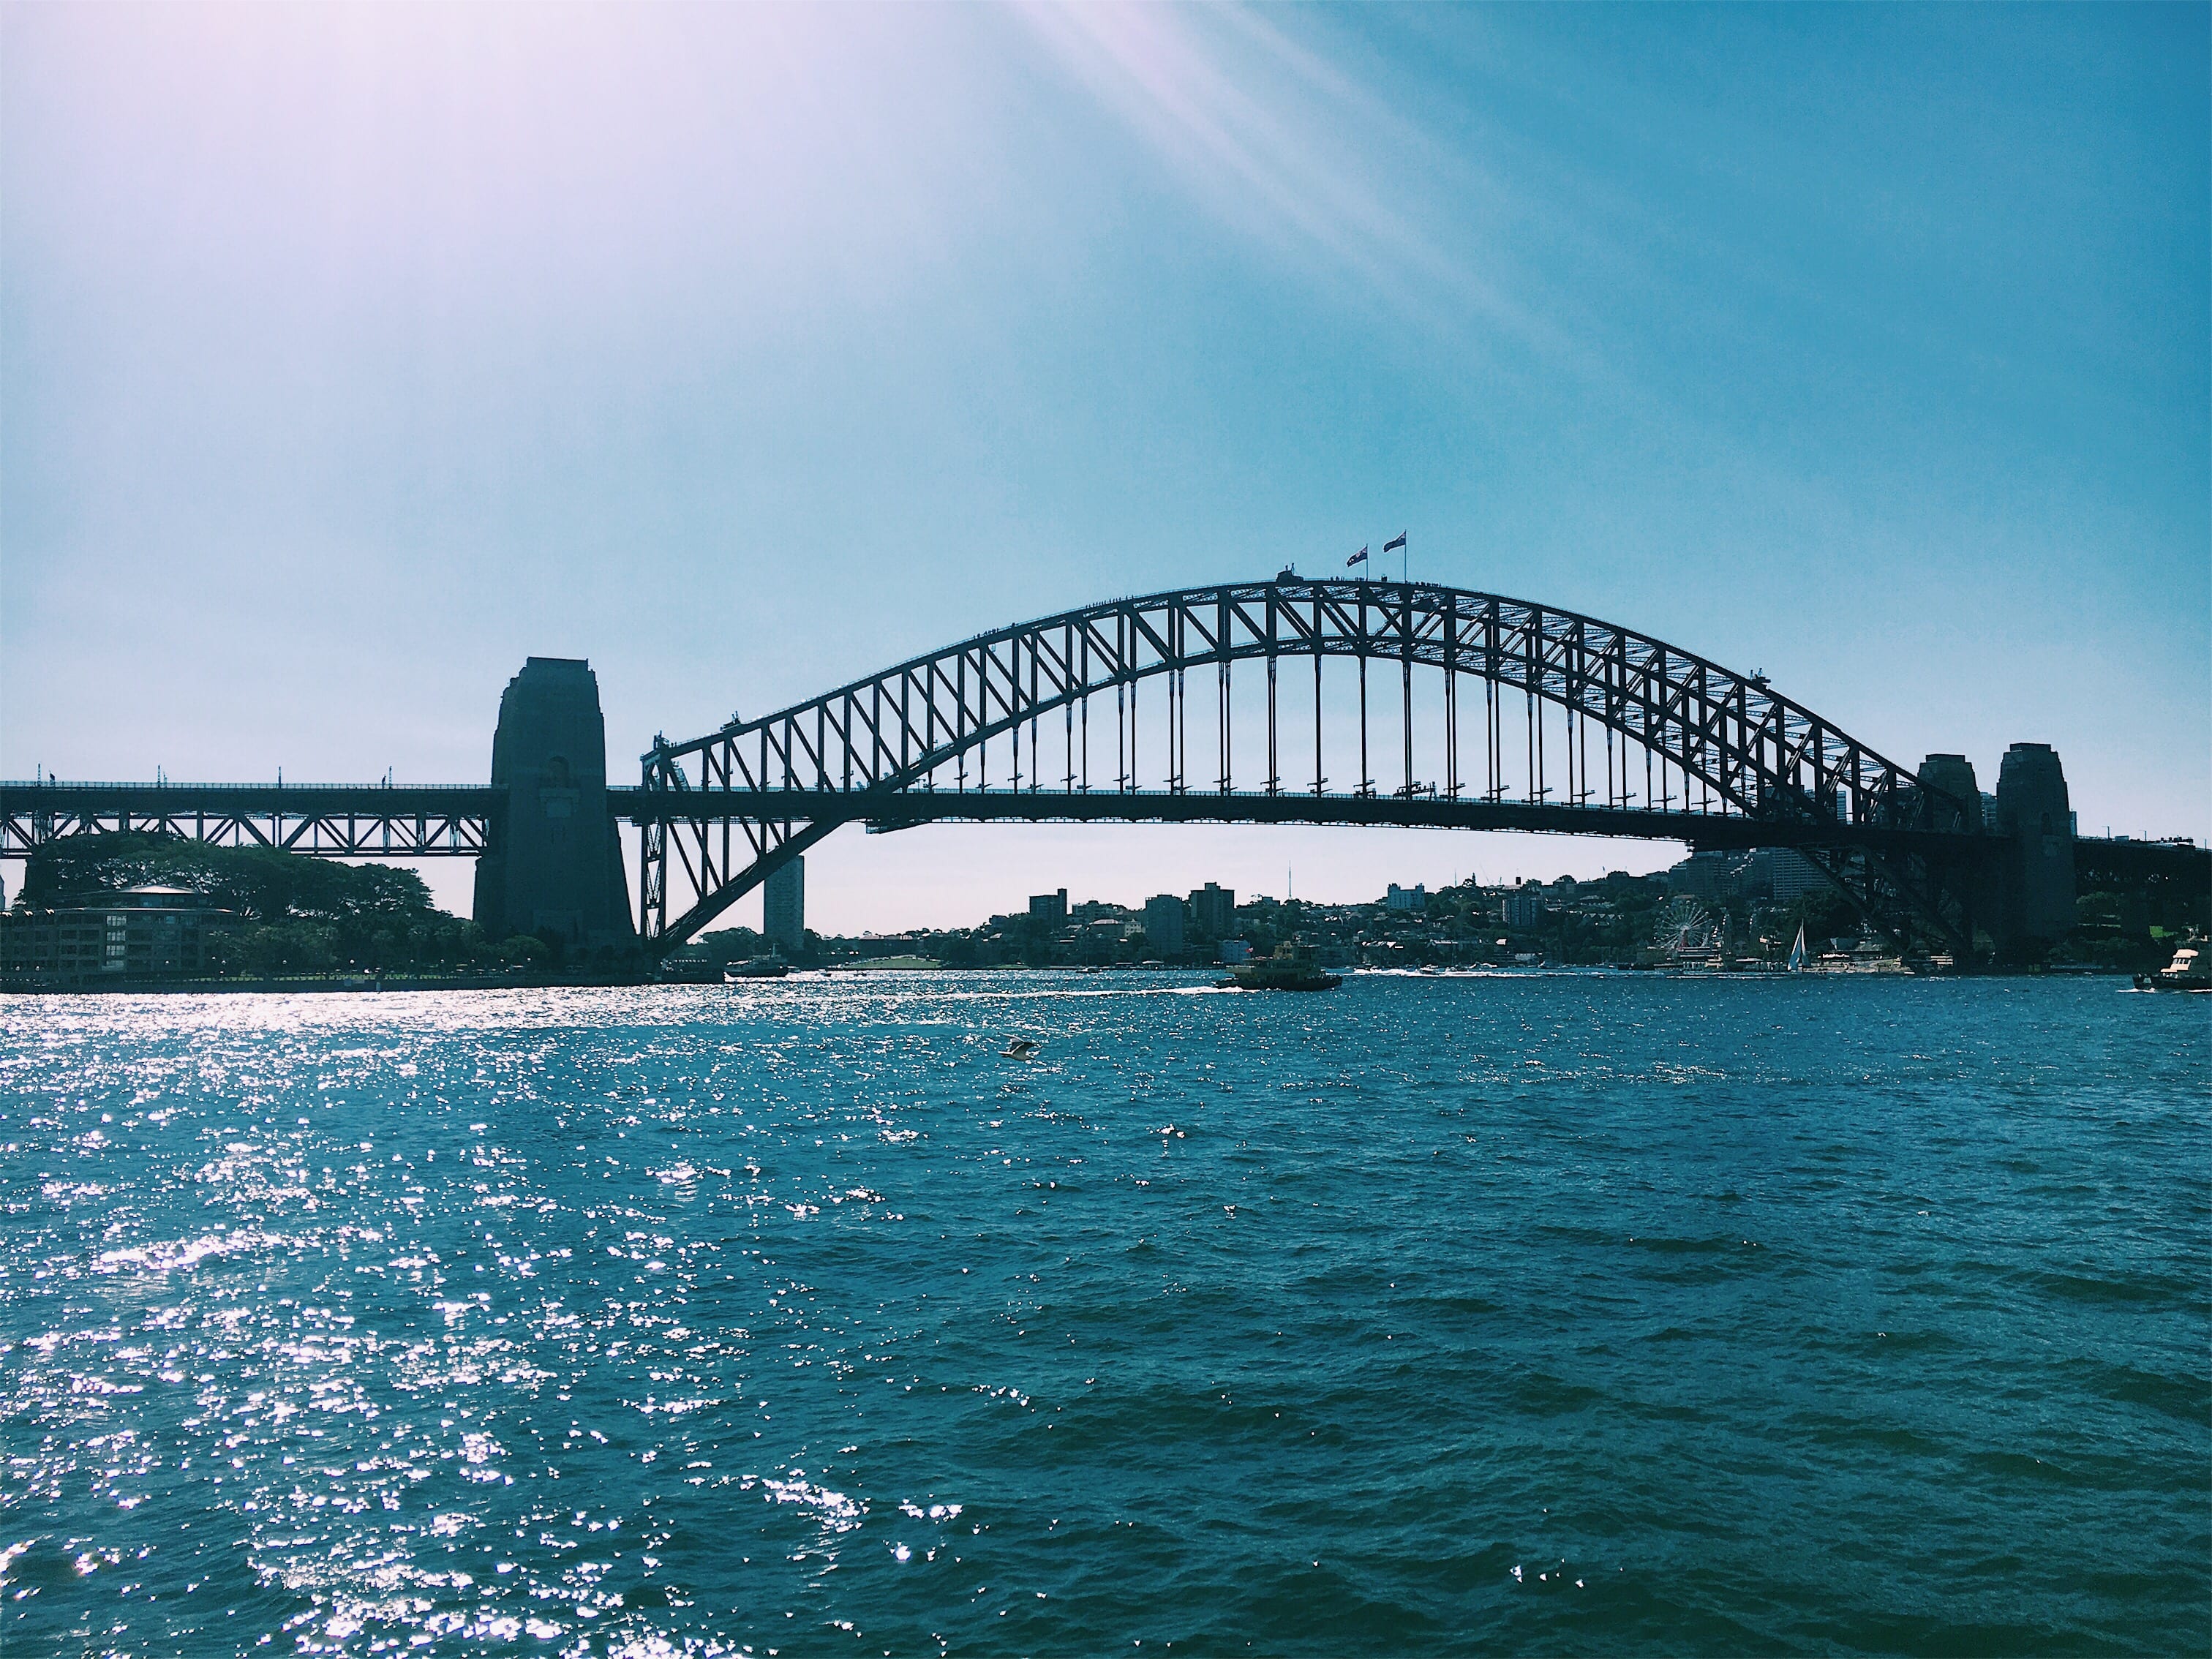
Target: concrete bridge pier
553,862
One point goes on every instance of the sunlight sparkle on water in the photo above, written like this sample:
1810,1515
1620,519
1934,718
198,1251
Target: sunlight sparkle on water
706,1320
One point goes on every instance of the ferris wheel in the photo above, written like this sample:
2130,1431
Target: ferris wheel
1685,927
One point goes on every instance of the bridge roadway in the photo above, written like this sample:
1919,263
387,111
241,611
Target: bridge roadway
337,820
2097,860
883,810
330,820
342,820
454,819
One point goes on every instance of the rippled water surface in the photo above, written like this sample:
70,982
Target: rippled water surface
1527,1314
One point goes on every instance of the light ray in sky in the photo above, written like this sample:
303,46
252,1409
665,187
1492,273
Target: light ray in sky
1283,142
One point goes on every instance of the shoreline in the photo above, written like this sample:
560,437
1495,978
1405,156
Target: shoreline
357,985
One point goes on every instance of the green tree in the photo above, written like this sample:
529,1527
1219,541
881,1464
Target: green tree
370,915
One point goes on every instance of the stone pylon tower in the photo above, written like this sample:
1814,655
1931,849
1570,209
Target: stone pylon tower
2037,887
1954,775
554,867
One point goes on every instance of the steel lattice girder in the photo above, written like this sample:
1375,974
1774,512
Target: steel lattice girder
1768,762
1752,746
329,820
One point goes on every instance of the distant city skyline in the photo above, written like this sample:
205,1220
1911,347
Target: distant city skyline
350,356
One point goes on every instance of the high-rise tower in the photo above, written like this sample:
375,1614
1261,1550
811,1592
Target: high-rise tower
783,905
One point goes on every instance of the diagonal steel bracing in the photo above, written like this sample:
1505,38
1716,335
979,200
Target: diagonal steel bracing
1673,737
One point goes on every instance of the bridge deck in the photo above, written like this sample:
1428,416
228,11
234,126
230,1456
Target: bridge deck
335,820
889,809
453,820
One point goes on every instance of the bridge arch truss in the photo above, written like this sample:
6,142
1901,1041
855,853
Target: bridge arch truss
1496,703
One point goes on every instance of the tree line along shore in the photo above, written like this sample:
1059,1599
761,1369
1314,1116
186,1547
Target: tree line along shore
264,918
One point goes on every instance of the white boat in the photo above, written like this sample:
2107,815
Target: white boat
1798,951
771,966
2190,970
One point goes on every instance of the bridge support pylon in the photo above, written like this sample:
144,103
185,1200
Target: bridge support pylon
2033,905
552,865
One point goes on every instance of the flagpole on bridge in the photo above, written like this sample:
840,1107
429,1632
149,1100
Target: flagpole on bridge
1398,543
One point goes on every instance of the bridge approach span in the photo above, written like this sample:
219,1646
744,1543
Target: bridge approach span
329,820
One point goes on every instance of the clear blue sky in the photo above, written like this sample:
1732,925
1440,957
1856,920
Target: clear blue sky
348,355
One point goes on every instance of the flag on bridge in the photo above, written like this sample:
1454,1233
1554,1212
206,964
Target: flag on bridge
1393,545
1360,557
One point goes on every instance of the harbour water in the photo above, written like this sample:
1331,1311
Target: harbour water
1540,1313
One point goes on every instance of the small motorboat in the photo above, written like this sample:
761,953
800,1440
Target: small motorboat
767,967
2190,970
1020,1047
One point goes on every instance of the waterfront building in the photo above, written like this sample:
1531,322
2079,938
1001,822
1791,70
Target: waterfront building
1213,911
1521,907
139,933
1163,923
1791,875
783,906
1778,874
1098,940
1700,875
1050,908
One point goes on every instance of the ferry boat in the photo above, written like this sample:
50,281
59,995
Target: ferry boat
2190,970
1865,956
1293,968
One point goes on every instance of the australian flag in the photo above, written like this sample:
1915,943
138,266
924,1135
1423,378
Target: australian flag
1360,557
1394,545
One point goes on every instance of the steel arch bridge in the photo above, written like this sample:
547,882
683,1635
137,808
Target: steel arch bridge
1505,714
